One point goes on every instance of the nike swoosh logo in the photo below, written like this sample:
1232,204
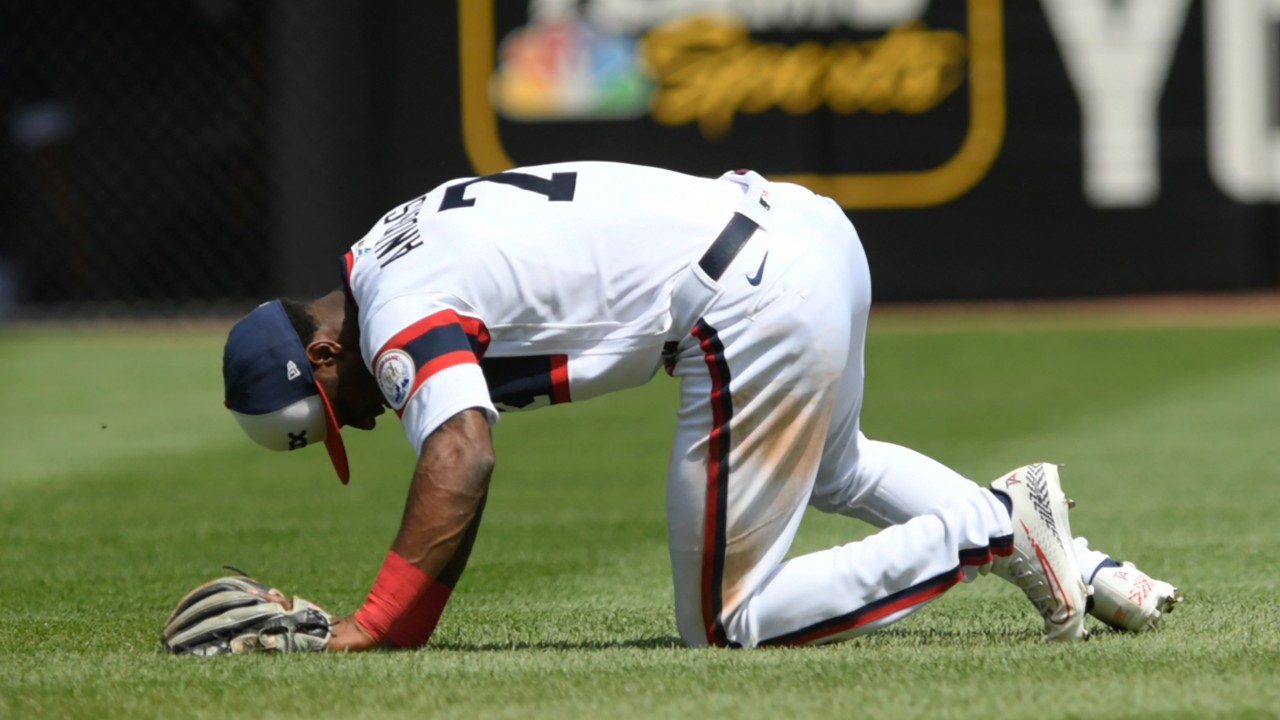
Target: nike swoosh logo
759,273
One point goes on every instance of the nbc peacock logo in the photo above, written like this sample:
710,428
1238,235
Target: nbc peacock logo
567,69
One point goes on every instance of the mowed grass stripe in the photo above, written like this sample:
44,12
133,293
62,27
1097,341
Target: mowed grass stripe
565,611
79,401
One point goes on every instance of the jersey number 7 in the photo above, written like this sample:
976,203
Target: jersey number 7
559,188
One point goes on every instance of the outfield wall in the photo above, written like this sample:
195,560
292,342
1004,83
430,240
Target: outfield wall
985,149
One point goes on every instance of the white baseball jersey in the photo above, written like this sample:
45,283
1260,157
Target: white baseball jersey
535,286
562,282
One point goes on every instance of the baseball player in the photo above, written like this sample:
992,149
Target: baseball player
558,283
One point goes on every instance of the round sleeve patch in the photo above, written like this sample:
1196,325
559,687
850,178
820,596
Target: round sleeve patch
394,370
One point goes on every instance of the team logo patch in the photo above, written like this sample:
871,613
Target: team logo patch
395,371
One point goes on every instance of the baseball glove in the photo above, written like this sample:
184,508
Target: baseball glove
233,615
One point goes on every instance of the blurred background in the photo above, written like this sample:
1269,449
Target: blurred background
189,158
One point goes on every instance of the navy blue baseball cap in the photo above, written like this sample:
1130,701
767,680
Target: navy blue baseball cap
271,390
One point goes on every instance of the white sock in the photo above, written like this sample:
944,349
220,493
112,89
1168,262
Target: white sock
1090,560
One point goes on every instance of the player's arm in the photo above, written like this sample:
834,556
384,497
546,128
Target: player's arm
441,518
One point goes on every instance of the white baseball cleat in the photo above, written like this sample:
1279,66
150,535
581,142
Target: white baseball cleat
1128,599
1043,563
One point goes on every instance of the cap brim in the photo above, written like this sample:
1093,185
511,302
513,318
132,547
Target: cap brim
333,440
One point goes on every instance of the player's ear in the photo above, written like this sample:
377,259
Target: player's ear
323,352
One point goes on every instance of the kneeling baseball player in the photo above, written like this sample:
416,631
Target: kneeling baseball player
558,283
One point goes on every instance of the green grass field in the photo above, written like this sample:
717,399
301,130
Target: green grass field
124,482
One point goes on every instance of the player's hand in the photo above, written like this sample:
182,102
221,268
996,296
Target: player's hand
349,636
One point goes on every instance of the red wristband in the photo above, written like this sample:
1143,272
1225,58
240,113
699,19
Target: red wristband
399,585
415,629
